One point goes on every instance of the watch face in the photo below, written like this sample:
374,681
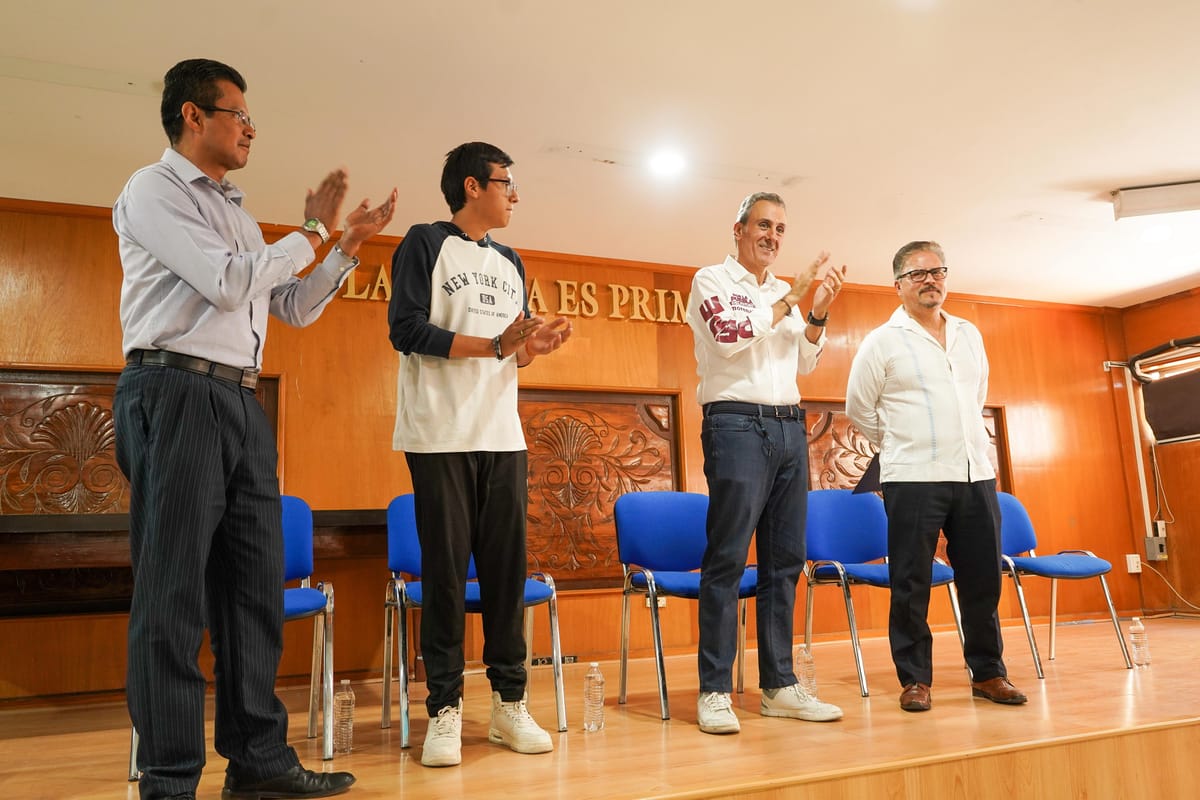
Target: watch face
310,225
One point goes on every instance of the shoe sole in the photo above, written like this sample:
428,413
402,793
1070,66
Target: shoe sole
914,707
721,730
441,762
1014,701
807,716
496,737
227,794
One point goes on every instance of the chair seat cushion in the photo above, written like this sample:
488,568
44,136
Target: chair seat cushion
300,603
687,584
1063,566
876,574
536,593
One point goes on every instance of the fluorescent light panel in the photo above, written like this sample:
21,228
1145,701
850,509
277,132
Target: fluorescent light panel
1163,199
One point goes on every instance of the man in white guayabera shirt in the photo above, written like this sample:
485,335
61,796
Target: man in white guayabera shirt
916,391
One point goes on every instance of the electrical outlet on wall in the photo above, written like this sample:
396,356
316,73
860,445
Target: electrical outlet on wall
1133,563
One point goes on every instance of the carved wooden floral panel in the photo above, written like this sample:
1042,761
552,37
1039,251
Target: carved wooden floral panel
585,450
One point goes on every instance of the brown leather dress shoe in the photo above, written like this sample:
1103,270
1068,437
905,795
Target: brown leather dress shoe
998,690
915,697
296,782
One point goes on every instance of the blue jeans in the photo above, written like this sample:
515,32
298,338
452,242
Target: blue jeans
757,471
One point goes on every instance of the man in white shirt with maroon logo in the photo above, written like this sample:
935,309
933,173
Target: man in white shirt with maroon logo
751,343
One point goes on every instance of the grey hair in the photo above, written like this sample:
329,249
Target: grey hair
747,204
915,247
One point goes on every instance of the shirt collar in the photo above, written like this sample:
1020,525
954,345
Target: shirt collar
740,274
190,173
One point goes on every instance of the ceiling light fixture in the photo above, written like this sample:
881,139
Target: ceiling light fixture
667,163
1161,199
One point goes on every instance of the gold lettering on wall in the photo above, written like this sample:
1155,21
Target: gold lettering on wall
537,303
378,289
568,299
620,296
575,298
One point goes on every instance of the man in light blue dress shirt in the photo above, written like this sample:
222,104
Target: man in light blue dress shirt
205,520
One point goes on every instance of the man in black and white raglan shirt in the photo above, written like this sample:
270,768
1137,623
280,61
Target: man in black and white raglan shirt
460,319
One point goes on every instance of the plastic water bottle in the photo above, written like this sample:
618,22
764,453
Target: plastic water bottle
1140,641
343,718
806,671
593,698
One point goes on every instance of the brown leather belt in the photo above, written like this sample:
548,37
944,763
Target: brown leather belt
246,378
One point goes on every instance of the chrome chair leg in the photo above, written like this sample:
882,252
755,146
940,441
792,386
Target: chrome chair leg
854,643
327,679
624,680
652,593
134,772
560,695
741,649
402,670
315,676
1112,614
1053,614
389,622
1037,660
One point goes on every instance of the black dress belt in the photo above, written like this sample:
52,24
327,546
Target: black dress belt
753,410
246,378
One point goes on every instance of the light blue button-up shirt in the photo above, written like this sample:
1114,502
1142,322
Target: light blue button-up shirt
199,277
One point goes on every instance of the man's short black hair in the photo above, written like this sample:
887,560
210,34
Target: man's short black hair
193,80
470,160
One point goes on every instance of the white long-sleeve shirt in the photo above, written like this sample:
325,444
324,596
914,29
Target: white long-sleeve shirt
739,354
922,406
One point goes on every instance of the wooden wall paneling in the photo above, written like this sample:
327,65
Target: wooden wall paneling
1064,437
1147,325
338,376
60,283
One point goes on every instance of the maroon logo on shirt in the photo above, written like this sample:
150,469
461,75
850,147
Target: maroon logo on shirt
723,329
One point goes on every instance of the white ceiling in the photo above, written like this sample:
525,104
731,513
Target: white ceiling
997,127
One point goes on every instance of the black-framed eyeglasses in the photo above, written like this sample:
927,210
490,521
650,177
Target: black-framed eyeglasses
920,275
242,116
510,186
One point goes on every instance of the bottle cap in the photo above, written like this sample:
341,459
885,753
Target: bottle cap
594,664
345,681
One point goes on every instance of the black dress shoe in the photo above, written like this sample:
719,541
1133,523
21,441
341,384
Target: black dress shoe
296,782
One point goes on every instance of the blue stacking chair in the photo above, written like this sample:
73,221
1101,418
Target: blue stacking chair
847,546
1017,538
300,602
661,537
403,595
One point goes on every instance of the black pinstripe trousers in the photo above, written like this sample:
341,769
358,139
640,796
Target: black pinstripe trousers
206,543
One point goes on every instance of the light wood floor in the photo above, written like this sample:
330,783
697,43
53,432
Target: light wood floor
1091,729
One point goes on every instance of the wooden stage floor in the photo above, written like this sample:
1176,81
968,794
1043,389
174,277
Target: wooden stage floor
1091,729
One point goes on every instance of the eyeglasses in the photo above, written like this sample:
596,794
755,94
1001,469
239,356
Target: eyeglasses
242,116
919,275
510,186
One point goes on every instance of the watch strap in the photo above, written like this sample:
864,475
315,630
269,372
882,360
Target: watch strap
314,225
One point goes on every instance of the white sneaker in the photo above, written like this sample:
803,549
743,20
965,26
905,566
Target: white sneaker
513,727
714,710
792,701
443,738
